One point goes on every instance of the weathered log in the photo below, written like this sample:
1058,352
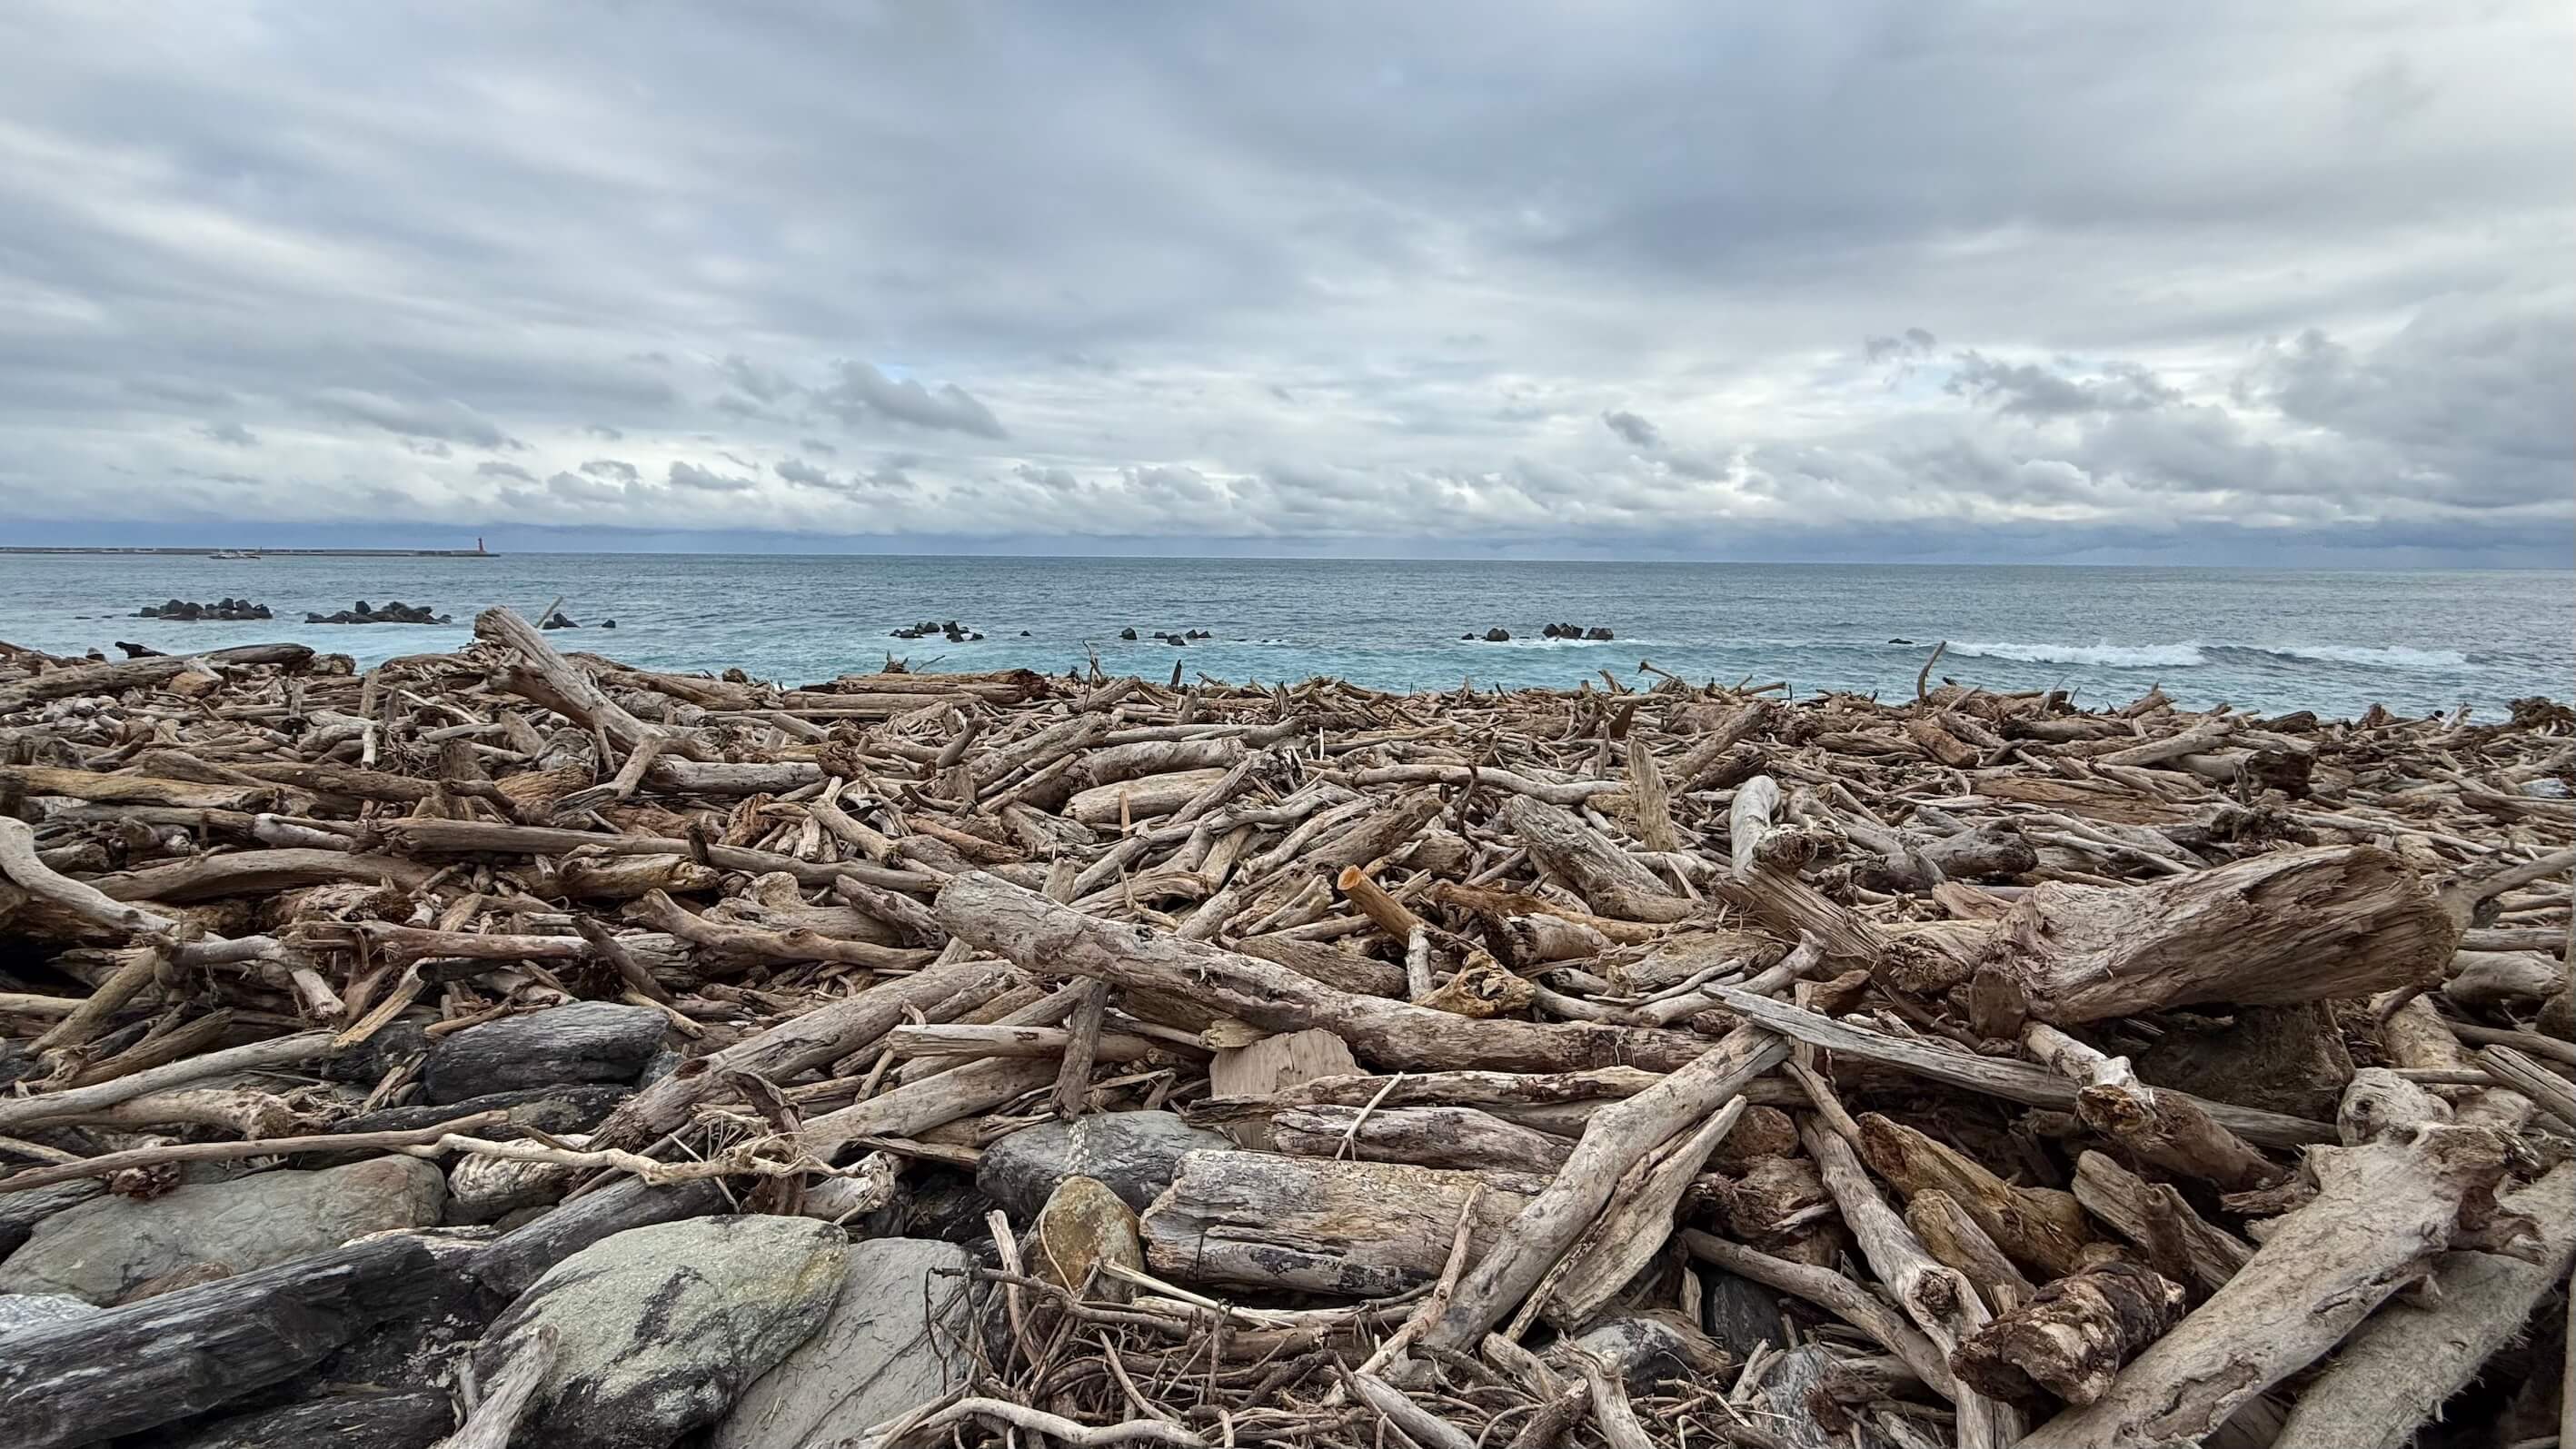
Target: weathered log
1995,1076
2381,1209
1457,1137
2071,1338
1041,935
2399,1368
797,1044
1941,1302
1592,864
1356,1229
1616,1137
129,1369
2178,1242
2295,926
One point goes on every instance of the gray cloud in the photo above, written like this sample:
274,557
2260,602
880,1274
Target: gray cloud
2031,390
1455,276
1639,432
442,419
690,475
862,393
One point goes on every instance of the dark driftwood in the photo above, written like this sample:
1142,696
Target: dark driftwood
2073,1336
509,1265
128,1369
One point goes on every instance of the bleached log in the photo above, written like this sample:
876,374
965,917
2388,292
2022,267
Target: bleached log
1353,1229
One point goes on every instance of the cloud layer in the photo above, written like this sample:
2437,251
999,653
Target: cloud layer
2202,283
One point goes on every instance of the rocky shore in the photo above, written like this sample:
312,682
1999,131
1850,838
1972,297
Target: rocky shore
513,1046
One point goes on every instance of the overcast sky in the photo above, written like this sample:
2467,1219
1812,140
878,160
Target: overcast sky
2230,282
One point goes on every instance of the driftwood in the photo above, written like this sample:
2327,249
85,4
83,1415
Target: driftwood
2001,1032
2383,1206
185,1352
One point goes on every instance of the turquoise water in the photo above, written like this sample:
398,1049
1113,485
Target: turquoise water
2331,641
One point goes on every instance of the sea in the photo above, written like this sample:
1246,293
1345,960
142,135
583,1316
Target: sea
2264,640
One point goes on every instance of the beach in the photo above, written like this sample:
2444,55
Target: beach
842,1061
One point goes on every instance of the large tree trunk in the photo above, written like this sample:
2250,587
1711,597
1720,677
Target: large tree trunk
2300,925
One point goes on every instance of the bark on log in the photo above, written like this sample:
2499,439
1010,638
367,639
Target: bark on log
1353,1229
1044,936
2073,1337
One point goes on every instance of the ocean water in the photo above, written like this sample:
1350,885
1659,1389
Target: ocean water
2335,642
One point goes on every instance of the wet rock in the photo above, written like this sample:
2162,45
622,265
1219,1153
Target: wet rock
185,611
21,1211
396,612
892,1340
588,1041
1598,633
660,1329
32,1310
558,620
99,1249
1082,1227
1128,633
608,623
1134,1154
415,1420
1498,635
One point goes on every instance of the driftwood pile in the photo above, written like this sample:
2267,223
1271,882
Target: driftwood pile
1300,1065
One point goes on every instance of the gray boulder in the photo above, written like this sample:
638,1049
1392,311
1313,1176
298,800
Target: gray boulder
1135,1153
32,1310
100,1248
894,1340
659,1330
588,1041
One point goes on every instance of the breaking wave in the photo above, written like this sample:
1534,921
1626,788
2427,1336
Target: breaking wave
2116,656
2395,656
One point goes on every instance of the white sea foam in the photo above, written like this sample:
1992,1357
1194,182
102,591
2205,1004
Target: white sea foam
2185,655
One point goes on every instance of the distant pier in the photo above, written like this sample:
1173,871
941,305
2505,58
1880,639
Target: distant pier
254,553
